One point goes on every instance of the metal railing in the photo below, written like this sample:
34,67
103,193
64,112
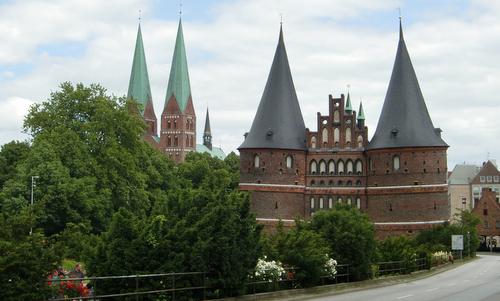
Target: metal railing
136,287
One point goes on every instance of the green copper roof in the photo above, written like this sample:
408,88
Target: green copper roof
348,106
214,152
138,87
178,82
361,114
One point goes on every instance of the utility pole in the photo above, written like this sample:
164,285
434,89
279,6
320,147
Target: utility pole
32,194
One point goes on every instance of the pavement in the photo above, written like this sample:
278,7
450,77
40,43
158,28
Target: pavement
472,280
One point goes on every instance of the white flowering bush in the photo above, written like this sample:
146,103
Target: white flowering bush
440,257
268,270
330,267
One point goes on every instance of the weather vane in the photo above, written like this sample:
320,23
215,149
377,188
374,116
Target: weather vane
140,16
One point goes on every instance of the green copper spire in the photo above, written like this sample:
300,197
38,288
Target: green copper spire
138,87
348,106
178,82
361,114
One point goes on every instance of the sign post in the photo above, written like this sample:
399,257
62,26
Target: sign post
457,243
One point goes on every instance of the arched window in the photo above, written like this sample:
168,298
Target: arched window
360,141
358,203
330,202
349,201
176,141
313,167
331,167
395,162
322,167
324,135
313,142
340,183
175,124
339,200
320,203
358,183
349,167
336,135
169,125
336,116
312,203
348,135
256,161
359,167
289,161
169,141
340,167
348,183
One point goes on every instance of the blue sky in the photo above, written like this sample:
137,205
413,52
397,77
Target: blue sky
230,44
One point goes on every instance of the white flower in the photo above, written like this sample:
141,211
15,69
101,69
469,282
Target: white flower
268,270
330,266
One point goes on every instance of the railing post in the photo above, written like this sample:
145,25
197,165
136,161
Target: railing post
136,287
173,287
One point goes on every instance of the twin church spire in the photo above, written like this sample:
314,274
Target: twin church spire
178,120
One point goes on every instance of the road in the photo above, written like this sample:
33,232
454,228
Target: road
478,280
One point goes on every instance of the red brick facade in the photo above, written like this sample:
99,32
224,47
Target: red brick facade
403,190
488,211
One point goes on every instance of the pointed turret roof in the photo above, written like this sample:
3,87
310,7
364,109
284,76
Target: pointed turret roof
178,81
404,121
139,88
207,125
361,113
348,106
278,122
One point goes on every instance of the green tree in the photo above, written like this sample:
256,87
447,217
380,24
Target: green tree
350,236
11,154
25,260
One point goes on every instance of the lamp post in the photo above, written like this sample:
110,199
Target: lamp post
33,178
468,243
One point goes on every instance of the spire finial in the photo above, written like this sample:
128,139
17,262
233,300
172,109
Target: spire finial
348,88
281,19
400,17
140,16
180,8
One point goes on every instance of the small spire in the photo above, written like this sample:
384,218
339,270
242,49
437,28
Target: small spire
361,114
207,133
400,25
348,106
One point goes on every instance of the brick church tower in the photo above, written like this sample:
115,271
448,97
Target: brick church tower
178,120
407,185
140,90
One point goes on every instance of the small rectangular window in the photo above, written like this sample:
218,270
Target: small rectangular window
496,179
486,224
489,179
485,211
482,179
498,224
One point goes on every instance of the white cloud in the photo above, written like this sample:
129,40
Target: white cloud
230,56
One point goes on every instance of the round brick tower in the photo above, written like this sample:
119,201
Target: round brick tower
272,157
406,182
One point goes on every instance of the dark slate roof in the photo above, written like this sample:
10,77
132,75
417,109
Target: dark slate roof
207,125
404,121
278,122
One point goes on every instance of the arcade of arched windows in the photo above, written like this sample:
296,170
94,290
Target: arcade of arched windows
328,202
339,167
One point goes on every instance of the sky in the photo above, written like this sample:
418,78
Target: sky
454,46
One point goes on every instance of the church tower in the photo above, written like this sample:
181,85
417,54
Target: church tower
140,90
178,120
207,133
407,186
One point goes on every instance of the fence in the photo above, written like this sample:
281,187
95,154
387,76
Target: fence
138,287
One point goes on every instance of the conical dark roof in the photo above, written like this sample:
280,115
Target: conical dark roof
404,121
278,122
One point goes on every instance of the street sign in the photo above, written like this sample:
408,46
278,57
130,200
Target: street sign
457,242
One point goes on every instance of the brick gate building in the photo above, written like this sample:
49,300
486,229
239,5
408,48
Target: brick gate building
398,178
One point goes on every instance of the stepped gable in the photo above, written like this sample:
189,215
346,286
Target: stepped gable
404,121
278,123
